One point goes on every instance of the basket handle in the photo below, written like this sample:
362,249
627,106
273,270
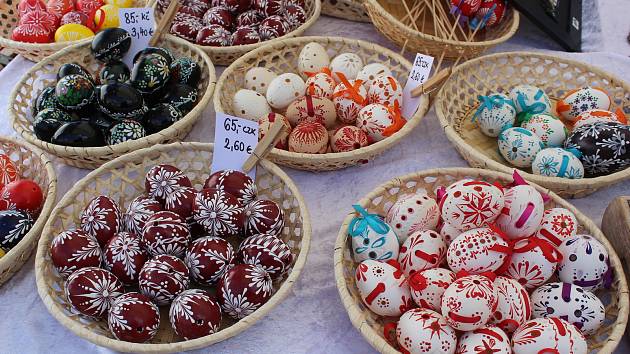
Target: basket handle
265,145
164,22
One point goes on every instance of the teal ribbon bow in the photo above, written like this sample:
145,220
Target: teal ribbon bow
489,102
359,224
536,107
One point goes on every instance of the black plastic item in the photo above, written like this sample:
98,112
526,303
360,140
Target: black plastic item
560,19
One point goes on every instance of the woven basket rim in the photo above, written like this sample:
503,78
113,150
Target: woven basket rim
414,33
223,334
376,339
384,144
130,145
456,139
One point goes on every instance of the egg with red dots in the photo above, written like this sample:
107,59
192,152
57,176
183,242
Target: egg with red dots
477,251
321,85
383,288
258,79
423,331
374,119
312,58
428,287
371,72
557,225
385,90
469,302
469,204
412,213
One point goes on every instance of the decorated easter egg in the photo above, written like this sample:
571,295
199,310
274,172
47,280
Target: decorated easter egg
371,72
469,302
14,225
31,34
165,233
530,99
40,18
243,289
309,137
162,180
448,232
294,15
8,171
22,194
263,216
557,225
150,73
47,123
522,212
107,16
72,32
26,6
513,306
548,335
182,97
250,104
605,147
127,129
74,17
273,27
102,219
124,256
495,114
238,6
111,44
491,11
423,249
212,35
133,318
92,290
372,238
162,278
312,109
116,71
427,287
348,138
73,68
72,250
120,100
312,58
194,314
467,8
374,119
350,98
268,7
584,263
74,92
487,339
469,204
208,258
45,99
385,90
321,85
582,100
413,213
477,251
245,35
88,7
234,182
78,134
218,212
264,125
549,129
423,331
266,251
284,89
59,7
348,64
250,18
218,15
165,52
258,79
160,117
534,260
194,8
120,3
557,162
598,115
519,146
181,202
383,288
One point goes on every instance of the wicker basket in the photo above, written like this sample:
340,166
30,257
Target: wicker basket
227,55
386,15
282,57
380,199
32,164
457,101
44,73
352,10
123,179
36,52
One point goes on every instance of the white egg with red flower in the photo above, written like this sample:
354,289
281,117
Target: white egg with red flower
349,100
348,64
371,72
312,58
522,213
469,204
513,306
422,250
548,335
385,90
423,331
533,262
585,262
383,288
348,138
477,251
487,339
374,119
557,225
321,85
412,213
428,287
469,302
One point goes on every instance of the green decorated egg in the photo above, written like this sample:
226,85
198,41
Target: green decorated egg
74,91
160,117
120,101
115,71
126,130
186,71
150,73
46,99
73,68
155,50
111,45
182,97
79,134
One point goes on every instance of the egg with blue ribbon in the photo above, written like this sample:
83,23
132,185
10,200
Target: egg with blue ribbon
530,99
372,238
496,113
519,146
558,162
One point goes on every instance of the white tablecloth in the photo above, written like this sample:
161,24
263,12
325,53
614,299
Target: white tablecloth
312,319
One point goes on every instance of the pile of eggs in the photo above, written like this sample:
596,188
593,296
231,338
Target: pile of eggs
121,266
479,12
484,266
65,20
119,104
21,202
597,144
342,106
224,23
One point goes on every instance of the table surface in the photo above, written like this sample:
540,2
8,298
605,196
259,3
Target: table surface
312,319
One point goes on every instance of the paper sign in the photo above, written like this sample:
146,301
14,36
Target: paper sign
419,75
234,141
140,24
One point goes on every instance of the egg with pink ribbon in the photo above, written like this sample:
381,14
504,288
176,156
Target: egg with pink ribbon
534,260
557,225
548,335
422,331
469,204
585,262
383,288
487,339
469,302
477,251
422,250
412,213
428,287
522,213
513,307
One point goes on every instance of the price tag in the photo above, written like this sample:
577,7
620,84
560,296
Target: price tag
234,141
419,75
140,24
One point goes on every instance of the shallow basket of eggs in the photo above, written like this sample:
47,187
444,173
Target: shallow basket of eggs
43,74
31,164
457,102
9,19
379,200
282,57
352,10
122,180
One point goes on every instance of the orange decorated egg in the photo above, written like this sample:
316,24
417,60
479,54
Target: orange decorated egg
312,109
264,124
348,138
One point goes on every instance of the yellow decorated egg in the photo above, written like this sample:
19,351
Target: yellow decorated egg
120,3
72,32
107,17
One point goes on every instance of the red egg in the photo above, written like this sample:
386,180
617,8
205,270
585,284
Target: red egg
162,180
26,6
180,202
60,7
8,171
22,194
218,16
165,233
102,219
208,259
73,250
163,278
237,6
194,314
124,257
138,212
218,212
133,318
214,36
92,290
273,27
74,17
250,18
294,15
268,252
187,30
88,7
195,6
245,35
497,14
31,34
300,3
269,7
243,289
263,217
467,7
234,182
40,18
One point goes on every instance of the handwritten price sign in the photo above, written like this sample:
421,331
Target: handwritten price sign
234,141
140,24
419,74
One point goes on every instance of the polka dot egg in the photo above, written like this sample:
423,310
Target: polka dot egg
284,89
258,79
313,58
371,72
585,262
519,146
412,213
250,104
348,64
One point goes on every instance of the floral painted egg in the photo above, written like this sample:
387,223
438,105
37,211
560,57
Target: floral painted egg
498,8
582,100
530,99
605,147
349,99
273,27
533,262
59,7
165,52
120,101
268,7
31,34
321,85
126,130
102,219
383,288
412,213
477,251
133,318
284,89
250,104
264,125
116,71
162,278
548,335
266,251
165,233
513,307
160,117
181,201
162,180
219,15
263,216
73,68
557,225
467,8
470,204
74,92
348,64
373,119
372,238
469,302
243,289
250,18
194,314
598,115
46,123
428,286
309,137
495,114
150,73
40,18
72,250
245,35
88,7
182,97
371,72
185,71
26,6
294,15
313,58
212,35
570,302
138,212
258,79
92,290
549,129
111,44
519,146
422,331
522,212
557,162
312,109
218,212
124,256
487,339
385,90
208,258
8,171
74,17
423,249
79,134
448,232
348,138
584,263
234,182
45,99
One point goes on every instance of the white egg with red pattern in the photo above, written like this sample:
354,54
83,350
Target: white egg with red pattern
477,251
484,340
469,302
548,335
385,90
423,249
513,306
557,225
522,213
469,204
383,288
412,213
374,119
423,331
428,287
533,262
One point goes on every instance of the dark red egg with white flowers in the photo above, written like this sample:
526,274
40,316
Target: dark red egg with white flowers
133,318
138,212
269,7
31,34
60,7
234,182
214,36
165,233
273,27
163,278
194,314
244,289
194,10
219,15
124,257
8,171
41,18
294,15
181,202
162,180
22,194
218,212
92,290
208,258
268,252
237,6
187,30
245,35
300,3
26,6
74,17
102,219
263,217
250,18
74,249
